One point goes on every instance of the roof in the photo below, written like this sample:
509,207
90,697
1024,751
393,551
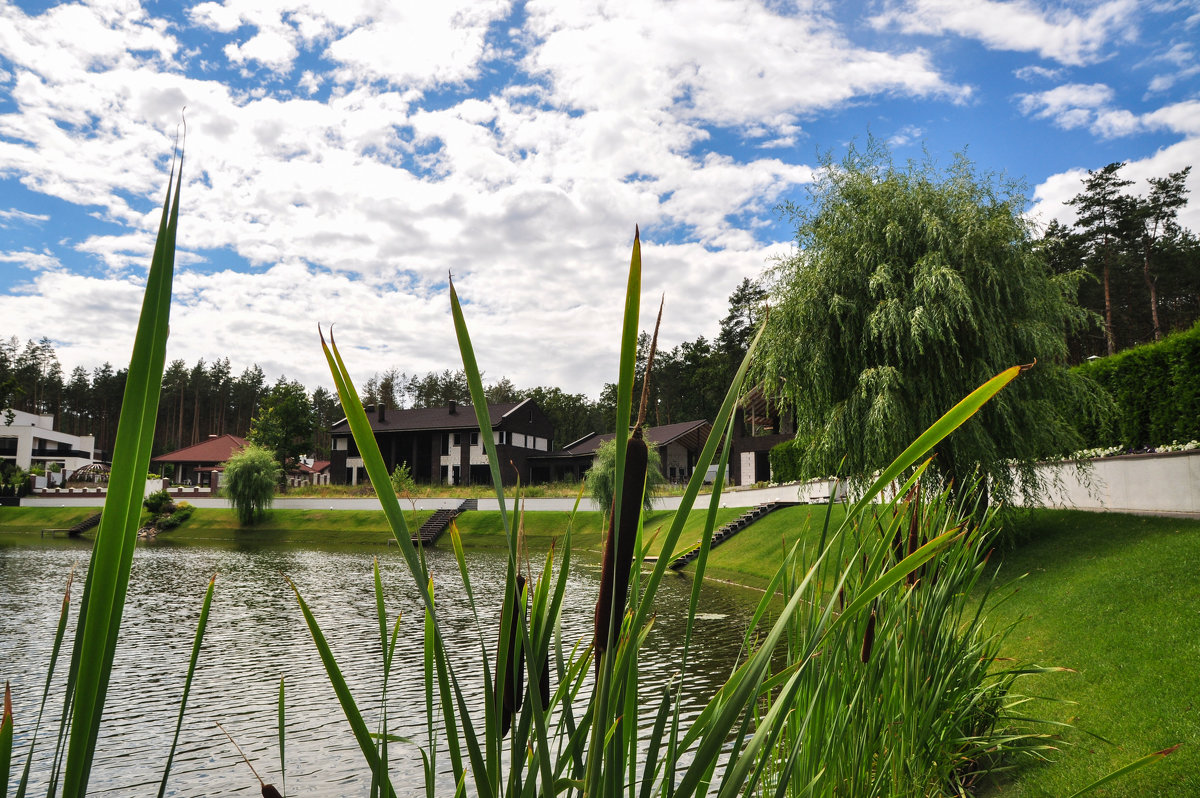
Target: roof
214,450
433,418
689,433
316,468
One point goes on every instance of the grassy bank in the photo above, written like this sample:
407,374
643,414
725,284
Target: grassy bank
480,529
1114,597
32,520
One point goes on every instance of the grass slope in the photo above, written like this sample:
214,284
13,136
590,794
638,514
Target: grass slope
1116,598
32,520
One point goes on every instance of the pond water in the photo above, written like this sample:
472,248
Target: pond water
256,635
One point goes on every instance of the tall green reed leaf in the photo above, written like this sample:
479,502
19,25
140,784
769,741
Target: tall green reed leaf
55,649
112,555
187,685
357,725
6,740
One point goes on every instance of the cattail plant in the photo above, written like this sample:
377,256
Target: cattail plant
623,523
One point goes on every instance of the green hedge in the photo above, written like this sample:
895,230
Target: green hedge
787,461
1156,389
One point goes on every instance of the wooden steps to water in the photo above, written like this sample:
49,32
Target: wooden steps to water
439,522
729,530
90,522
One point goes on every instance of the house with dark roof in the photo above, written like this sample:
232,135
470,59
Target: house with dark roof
441,444
679,447
194,465
759,424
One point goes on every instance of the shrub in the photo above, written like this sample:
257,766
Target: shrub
787,460
599,477
1155,390
249,482
159,502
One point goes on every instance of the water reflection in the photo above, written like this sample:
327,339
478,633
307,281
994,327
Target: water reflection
256,635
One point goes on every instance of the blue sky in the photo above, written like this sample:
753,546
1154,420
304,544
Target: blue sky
344,157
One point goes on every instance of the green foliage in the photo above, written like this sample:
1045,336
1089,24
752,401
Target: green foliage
599,479
249,481
177,516
910,286
402,480
285,423
158,502
787,460
1156,392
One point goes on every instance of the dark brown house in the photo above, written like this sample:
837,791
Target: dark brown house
679,447
758,426
441,444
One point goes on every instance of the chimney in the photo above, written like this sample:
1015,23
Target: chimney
453,407
381,411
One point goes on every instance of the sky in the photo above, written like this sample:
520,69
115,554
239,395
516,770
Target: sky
344,159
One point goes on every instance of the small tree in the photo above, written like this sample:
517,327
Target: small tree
599,477
249,483
404,485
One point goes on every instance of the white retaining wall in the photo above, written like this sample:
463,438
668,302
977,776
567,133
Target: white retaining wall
1139,483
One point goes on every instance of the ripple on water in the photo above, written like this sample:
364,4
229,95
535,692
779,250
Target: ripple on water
256,635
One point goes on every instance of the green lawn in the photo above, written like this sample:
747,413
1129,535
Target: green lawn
1114,597
1117,599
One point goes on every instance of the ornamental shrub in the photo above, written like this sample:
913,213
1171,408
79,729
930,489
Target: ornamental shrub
249,482
1155,389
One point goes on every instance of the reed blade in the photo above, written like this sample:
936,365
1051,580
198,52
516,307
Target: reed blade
201,625
357,725
112,558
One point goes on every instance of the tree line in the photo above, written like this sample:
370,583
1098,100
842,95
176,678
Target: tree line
1138,268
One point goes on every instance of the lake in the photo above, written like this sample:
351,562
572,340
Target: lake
256,635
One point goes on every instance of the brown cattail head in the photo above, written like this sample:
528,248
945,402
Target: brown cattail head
868,639
618,547
914,531
513,688
269,791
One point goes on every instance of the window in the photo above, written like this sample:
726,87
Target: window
501,437
474,438
457,439
446,444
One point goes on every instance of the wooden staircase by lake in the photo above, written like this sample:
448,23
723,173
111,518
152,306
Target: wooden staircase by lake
90,522
729,530
439,522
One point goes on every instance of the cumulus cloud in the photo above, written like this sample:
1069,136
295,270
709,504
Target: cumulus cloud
1058,33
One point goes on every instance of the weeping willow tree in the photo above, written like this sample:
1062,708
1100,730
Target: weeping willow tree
908,286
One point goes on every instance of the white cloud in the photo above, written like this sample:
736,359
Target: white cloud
269,48
1057,33
34,261
737,63
1034,72
14,216
1051,194
1075,105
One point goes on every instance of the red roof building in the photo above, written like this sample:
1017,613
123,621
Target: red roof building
194,464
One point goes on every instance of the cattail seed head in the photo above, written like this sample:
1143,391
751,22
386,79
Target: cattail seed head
868,639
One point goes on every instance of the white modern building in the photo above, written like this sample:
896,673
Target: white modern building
29,439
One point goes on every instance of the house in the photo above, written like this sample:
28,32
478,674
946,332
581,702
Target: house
441,444
758,426
309,472
679,447
195,465
29,439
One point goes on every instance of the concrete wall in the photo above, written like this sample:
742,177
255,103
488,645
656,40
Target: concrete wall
1140,483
